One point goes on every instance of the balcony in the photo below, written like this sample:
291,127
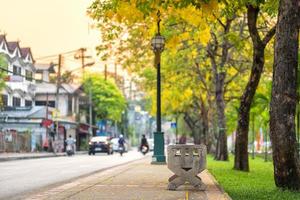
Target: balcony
14,78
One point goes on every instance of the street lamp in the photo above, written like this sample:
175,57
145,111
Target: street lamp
158,43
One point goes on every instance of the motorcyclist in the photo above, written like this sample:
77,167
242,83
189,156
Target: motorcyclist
70,145
144,143
121,142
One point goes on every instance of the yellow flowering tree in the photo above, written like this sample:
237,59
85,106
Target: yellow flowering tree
199,65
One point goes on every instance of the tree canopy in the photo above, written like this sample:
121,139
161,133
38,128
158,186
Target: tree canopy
216,67
108,101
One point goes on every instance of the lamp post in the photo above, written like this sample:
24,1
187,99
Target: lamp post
158,43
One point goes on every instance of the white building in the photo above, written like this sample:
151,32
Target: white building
69,96
27,121
20,85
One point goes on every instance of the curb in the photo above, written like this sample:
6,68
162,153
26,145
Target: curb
28,157
219,186
36,156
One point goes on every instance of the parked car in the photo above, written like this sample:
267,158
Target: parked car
151,144
100,144
115,145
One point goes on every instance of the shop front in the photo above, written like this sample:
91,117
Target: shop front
82,136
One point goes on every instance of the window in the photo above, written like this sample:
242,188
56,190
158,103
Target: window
4,100
38,77
16,70
28,103
16,102
28,75
43,103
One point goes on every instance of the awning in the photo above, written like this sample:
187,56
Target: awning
83,128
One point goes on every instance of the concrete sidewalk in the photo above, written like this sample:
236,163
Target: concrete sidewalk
138,180
20,156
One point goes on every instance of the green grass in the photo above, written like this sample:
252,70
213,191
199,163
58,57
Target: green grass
258,184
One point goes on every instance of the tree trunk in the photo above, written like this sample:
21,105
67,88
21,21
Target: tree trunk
241,161
241,144
219,81
204,122
221,153
197,136
193,127
205,134
284,99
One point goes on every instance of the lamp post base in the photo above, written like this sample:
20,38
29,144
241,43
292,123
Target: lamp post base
159,157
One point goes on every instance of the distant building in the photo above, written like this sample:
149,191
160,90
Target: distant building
43,71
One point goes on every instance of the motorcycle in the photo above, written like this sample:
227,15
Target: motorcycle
70,150
144,149
121,149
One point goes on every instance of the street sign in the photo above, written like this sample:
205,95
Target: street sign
173,124
102,127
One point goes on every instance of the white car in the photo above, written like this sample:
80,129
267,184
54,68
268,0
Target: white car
100,144
115,144
151,144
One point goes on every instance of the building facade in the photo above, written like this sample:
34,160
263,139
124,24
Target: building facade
20,84
28,118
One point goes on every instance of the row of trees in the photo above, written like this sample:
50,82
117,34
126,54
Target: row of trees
216,54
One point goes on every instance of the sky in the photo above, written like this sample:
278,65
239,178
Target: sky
49,27
52,27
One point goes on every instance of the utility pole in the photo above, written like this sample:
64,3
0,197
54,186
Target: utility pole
57,90
82,51
83,65
47,112
91,111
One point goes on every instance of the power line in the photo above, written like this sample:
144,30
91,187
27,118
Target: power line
55,55
72,60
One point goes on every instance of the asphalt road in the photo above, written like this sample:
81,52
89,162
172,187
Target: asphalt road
18,178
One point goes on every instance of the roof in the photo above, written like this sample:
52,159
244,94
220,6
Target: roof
26,112
12,46
25,51
2,37
71,88
50,88
40,67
